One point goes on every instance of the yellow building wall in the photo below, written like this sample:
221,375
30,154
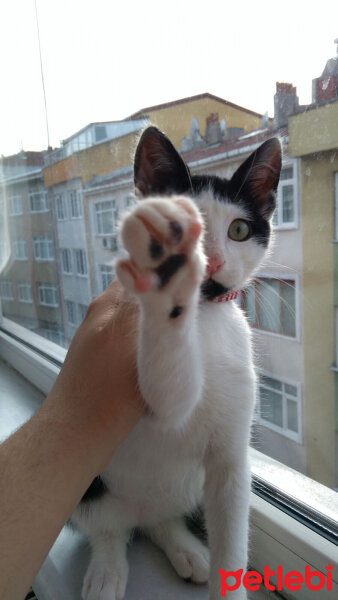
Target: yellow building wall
317,179
314,131
100,159
175,120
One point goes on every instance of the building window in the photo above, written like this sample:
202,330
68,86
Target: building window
105,217
75,201
270,305
38,202
81,262
107,275
25,292
48,295
100,133
279,406
20,249
285,215
15,205
54,335
6,290
70,312
43,248
82,311
61,214
66,260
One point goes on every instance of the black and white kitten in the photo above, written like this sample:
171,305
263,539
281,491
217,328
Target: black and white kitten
190,242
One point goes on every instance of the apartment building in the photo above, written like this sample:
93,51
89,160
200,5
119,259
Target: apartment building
29,282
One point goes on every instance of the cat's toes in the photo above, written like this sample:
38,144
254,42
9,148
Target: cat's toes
163,239
160,227
192,564
105,581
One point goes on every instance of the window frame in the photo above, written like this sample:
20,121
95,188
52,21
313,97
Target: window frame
274,532
16,245
285,277
84,262
26,285
294,181
75,200
288,433
99,215
15,197
69,258
48,286
31,198
36,241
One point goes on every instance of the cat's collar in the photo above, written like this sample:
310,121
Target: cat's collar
225,297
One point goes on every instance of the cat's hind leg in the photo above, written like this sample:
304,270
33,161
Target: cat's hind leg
188,555
107,574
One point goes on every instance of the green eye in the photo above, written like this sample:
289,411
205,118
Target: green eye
239,230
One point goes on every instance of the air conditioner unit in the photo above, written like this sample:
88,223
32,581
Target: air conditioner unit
110,243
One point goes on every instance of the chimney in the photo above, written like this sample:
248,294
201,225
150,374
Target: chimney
213,132
286,104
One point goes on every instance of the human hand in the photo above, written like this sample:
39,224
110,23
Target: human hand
95,394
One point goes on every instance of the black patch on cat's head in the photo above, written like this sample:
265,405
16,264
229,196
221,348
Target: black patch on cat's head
158,167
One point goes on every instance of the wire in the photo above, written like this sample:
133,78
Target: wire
42,76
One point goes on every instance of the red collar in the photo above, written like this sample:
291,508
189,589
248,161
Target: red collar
225,297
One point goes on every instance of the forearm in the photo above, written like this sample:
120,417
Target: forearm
45,467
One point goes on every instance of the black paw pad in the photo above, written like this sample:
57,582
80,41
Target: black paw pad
176,312
156,249
176,231
169,267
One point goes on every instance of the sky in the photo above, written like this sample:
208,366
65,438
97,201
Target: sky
106,59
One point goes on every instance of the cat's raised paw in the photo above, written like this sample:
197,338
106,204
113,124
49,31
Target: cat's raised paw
163,239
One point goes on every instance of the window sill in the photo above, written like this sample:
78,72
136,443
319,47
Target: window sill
276,537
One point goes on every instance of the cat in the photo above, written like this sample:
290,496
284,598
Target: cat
193,242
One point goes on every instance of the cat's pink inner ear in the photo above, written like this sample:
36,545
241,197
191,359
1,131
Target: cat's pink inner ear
264,174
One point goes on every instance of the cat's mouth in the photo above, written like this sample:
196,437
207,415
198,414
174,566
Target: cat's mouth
211,289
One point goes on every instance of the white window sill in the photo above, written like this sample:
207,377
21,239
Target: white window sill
276,537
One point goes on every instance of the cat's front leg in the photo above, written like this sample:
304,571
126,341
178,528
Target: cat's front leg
163,237
226,497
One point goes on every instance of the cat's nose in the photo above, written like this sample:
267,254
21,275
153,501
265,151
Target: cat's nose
214,263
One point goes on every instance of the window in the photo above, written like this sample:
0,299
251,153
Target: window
66,260
38,202
48,295
270,305
105,217
81,262
25,292
279,406
70,312
82,311
6,290
43,248
100,133
285,215
20,249
75,204
54,335
61,214
106,274
15,205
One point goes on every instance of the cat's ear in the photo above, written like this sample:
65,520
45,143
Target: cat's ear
158,167
257,178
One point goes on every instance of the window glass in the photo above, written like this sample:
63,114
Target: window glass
66,175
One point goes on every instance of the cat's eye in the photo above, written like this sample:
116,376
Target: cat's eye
239,230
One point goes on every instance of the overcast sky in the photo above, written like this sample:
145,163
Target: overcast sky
105,59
